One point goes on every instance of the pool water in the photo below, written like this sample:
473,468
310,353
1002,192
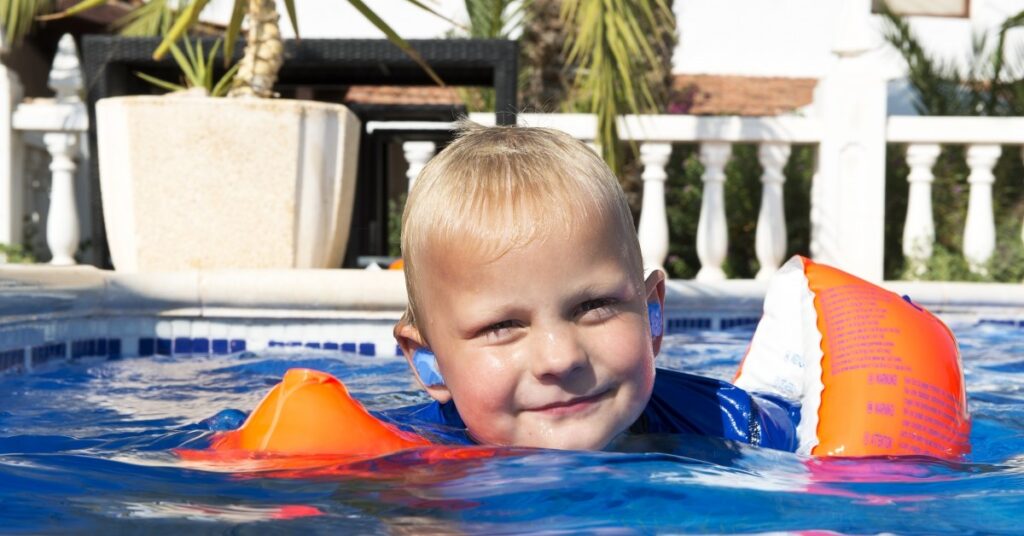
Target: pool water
87,448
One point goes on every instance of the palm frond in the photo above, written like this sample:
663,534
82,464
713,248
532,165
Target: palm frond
999,87
392,36
608,41
937,84
493,19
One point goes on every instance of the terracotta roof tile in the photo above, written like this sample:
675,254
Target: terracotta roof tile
705,94
700,94
427,95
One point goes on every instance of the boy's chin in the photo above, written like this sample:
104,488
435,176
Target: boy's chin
572,440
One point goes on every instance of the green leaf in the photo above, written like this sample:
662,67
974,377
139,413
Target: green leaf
160,83
233,29
208,67
224,84
146,20
194,73
85,5
432,11
185,21
290,6
183,63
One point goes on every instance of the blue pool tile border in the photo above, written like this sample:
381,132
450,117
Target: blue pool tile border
12,360
38,343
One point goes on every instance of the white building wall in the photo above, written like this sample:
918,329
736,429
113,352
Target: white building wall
794,38
338,19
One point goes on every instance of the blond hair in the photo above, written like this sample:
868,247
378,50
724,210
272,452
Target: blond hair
498,188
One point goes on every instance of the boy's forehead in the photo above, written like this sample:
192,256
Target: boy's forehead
480,249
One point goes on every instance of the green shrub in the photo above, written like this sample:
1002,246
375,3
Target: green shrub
742,188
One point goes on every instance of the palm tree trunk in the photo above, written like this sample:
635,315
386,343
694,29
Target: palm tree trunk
264,52
545,75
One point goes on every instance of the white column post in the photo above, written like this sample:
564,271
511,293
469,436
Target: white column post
770,240
919,229
712,229
12,188
1022,226
417,154
980,229
62,220
653,229
850,101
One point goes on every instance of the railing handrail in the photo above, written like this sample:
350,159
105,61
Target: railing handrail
680,127
958,130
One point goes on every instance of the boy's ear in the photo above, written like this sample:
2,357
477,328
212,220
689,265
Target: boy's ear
410,340
655,288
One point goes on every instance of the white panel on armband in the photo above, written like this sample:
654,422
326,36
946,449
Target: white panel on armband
784,358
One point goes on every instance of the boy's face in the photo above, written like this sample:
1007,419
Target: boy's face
546,346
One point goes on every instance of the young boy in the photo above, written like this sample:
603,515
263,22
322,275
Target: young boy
530,321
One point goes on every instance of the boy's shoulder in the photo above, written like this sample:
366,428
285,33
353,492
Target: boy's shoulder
683,403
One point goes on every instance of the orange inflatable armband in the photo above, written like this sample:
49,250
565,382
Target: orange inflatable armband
874,373
310,413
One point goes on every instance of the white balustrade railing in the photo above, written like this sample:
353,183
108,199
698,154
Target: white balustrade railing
845,189
62,120
984,137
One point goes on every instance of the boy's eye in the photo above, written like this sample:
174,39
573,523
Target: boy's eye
499,329
600,305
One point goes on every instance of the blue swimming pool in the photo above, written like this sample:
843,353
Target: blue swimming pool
87,447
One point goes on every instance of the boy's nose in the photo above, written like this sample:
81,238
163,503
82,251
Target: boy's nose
557,355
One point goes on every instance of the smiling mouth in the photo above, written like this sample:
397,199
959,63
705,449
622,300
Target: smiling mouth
574,405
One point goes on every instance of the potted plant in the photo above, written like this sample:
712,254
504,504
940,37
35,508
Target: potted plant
246,181
608,42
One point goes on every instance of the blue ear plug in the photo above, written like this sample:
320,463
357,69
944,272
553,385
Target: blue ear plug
425,363
654,315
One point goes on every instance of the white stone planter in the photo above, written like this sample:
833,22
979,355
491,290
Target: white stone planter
197,183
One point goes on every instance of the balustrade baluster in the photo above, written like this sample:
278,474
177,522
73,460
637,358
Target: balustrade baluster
653,228
62,226
712,230
62,219
919,229
417,154
770,240
980,230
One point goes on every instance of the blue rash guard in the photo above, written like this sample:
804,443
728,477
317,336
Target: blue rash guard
680,403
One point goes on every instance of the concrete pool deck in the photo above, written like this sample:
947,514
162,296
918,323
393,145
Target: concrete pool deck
35,291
